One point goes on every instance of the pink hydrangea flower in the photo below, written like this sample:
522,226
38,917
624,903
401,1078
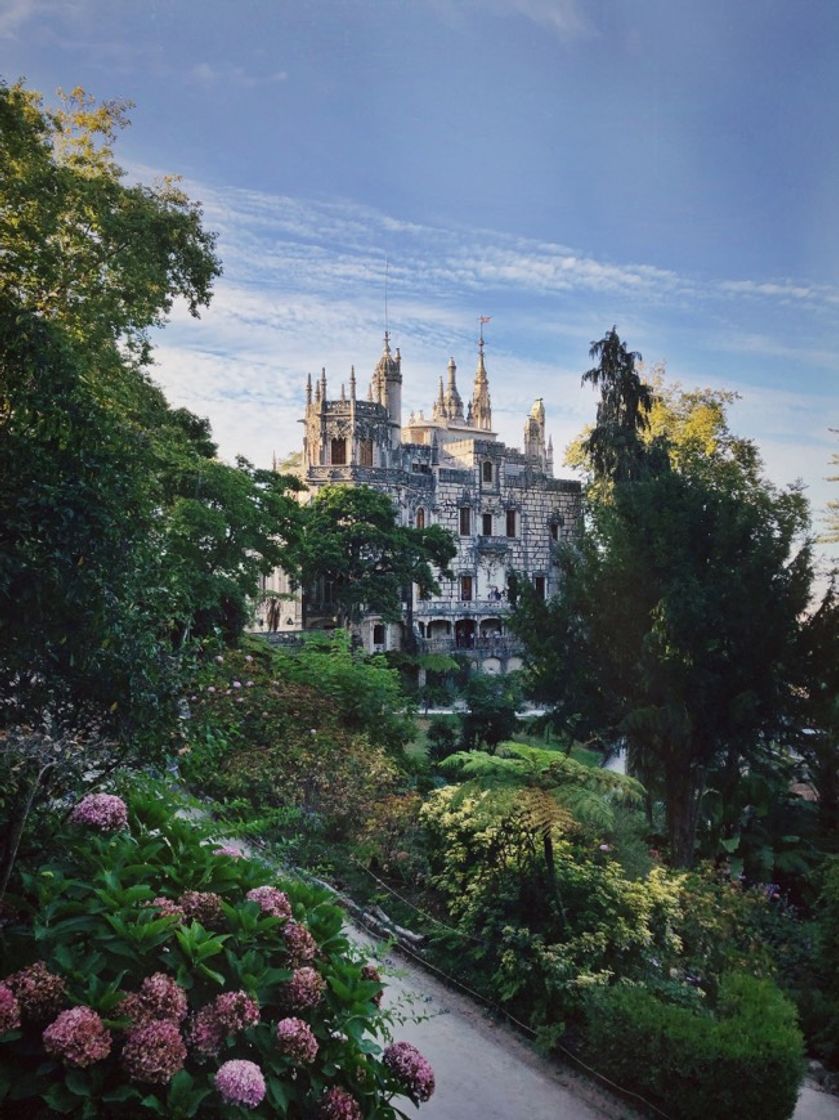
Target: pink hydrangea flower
296,1040
206,1033
159,997
241,1082
337,1104
166,907
78,1037
235,1011
9,1010
271,900
202,906
411,1069
154,1052
301,946
304,989
370,972
104,811
39,992
228,850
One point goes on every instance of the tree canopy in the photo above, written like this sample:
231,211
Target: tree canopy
353,547
679,611
120,532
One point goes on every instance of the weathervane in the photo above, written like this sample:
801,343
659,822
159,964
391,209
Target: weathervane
483,319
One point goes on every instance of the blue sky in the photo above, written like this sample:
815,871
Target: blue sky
668,166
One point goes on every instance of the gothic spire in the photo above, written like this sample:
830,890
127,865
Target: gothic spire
481,403
453,403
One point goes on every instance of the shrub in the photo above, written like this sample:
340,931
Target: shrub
294,731
442,737
146,974
744,1059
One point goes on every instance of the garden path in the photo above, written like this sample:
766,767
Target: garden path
486,1071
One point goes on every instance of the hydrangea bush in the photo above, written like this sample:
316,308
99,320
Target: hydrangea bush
150,973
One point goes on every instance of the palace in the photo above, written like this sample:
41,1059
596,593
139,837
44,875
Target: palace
504,507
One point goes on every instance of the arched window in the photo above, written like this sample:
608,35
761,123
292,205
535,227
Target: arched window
420,518
339,453
365,453
486,472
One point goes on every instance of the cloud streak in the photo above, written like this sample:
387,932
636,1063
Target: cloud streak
304,287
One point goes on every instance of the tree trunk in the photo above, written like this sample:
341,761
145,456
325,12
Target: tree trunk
682,794
19,817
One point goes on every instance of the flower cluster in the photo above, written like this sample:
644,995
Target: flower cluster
78,1036
206,1033
411,1068
154,1052
301,946
304,989
166,908
227,1014
370,972
104,811
39,992
337,1104
235,1011
271,900
241,1082
159,997
9,1010
202,906
228,850
296,1040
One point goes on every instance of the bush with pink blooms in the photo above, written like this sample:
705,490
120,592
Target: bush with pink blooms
145,973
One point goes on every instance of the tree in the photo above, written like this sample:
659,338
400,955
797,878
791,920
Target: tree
676,623
614,446
547,789
491,710
119,531
815,729
831,534
352,545
80,246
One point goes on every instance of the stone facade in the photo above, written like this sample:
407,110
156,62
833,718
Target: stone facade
503,506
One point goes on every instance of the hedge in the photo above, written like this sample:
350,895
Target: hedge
743,1059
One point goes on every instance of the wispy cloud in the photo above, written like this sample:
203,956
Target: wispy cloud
225,74
15,13
304,286
563,18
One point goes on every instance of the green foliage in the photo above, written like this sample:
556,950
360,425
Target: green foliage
539,935
743,1058
88,915
614,447
352,544
693,667
119,532
81,247
315,730
442,737
491,709
817,989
